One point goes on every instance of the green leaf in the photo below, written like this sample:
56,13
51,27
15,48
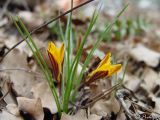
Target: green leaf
37,54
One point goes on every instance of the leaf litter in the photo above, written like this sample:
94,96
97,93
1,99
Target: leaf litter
26,91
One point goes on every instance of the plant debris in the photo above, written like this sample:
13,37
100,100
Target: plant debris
134,41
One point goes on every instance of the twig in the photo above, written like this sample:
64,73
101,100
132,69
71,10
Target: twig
101,95
123,95
45,24
131,92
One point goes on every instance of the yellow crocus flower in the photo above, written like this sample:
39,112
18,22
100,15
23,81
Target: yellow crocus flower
56,56
104,69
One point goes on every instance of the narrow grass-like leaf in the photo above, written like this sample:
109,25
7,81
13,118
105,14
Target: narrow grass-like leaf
64,71
60,30
77,59
80,50
69,61
107,30
37,54
114,76
125,70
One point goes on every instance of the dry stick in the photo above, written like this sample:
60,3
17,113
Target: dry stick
101,95
97,97
125,107
132,93
43,25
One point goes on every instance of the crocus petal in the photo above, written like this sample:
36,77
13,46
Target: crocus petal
97,75
51,47
53,50
62,52
55,67
114,69
104,69
105,60
56,56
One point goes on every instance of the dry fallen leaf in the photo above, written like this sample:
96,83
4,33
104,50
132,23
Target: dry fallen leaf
4,21
157,103
9,40
22,81
12,113
30,19
31,106
6,85
132,82
80,115
43,92
105,107
144,54
151,79
66,4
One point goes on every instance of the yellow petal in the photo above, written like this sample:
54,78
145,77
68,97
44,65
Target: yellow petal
56,56
52,48
55,67
62,52
114,69
104,69
106,60
97,75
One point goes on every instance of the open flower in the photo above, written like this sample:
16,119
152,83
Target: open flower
104,69
56,56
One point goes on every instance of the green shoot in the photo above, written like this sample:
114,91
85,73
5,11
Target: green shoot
103,34
71,63
125,70
37,54
76,61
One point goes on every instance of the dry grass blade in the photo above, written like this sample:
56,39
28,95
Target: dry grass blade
101,95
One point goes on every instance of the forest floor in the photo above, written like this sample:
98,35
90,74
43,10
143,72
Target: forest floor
134,41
